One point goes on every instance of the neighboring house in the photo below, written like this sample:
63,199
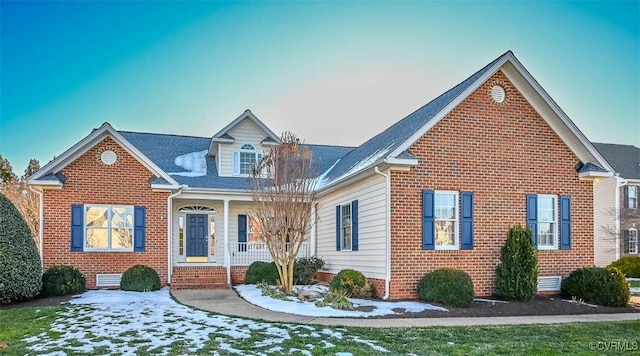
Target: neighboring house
616,204
440,188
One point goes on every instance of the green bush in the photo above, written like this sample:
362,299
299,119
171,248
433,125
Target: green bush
140,278
517,273
451,287
599,285
305,268
628,265
20,269
335,300
352,284
262,272
62,280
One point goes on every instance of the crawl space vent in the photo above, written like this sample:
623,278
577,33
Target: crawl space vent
108,280
546,284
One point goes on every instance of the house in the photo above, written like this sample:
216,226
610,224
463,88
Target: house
439,188
616,206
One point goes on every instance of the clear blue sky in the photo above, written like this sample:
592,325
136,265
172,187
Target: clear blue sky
332,72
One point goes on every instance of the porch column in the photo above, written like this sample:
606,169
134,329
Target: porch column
312,242
227,257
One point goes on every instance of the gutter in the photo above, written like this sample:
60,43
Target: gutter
40,224
170,231
387,278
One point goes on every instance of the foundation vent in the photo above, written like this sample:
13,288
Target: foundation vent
108,280
547,284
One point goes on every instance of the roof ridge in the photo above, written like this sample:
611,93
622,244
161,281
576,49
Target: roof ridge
161,134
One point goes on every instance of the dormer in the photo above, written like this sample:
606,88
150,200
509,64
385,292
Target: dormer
239,145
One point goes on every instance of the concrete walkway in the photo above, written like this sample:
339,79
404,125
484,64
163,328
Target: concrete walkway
227,302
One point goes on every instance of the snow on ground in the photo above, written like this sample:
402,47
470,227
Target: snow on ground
194,162
292,305
126,323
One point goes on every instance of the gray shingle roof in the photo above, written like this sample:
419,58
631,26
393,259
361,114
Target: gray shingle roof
388,140
625,159
162,150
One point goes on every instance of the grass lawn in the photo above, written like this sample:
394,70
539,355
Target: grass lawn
34,324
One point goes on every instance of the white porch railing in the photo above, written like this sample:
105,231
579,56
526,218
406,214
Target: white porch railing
245,253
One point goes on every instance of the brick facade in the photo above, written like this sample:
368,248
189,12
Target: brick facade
89,181
500,152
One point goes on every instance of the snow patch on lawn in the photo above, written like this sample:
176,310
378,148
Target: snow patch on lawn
252,294
127,323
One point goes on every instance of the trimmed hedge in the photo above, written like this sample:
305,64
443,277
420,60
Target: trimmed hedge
517,273
20,269
63,280
140,278
451,287
305,268
599,285
628,265
262,272
352,284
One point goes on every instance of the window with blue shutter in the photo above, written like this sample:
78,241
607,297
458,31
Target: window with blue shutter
139,215
354,225
242,233
77,228
467,220
428,223
565,222
338,227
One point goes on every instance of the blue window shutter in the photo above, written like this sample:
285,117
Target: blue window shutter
428,220
467,220
532,216
77,227
338,228
354,225
242,233
139,216
565,222
236,162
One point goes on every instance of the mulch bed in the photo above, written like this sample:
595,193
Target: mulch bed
38,302
540,305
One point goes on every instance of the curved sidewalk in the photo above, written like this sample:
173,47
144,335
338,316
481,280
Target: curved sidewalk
227,302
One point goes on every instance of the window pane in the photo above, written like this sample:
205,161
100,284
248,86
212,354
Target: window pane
96,216
346,238
444,233
546,209
121,238
97,238
122,216
545,234
247,162
445,206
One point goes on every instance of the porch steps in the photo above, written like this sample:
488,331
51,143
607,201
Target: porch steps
197,278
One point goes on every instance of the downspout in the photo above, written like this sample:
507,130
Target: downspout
619,184
40,225
387,278
170,231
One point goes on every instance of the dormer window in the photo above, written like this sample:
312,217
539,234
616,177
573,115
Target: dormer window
245,160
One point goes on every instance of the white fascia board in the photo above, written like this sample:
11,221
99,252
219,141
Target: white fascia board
164,187
223,140
394,161
561,114
452,105
245,115
84,145
44,183
587,175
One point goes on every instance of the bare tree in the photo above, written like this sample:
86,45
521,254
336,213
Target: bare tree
283,190
17,191
629,218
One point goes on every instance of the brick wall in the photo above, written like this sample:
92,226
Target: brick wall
89,181
501,152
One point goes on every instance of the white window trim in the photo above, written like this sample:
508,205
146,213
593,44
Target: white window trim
109,228
635,241
342,227
636,190
237,156
556,214
456,222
